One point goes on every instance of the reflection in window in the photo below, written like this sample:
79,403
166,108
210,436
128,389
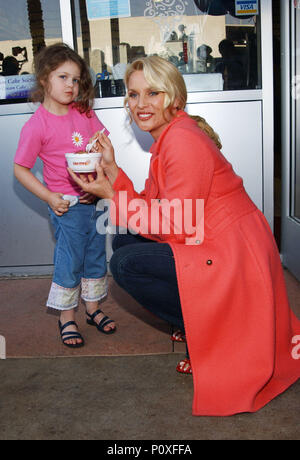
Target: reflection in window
25,27
212,46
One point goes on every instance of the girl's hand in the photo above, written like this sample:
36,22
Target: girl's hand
57,204
98,186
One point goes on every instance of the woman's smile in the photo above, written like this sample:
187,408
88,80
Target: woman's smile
144,116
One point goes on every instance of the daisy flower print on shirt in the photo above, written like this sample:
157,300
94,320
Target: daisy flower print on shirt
77,139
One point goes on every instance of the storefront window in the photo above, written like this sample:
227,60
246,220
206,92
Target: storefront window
214,43
25,27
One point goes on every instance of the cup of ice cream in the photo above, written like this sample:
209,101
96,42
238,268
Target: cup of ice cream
83,162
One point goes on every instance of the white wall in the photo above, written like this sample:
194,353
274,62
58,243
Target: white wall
239,125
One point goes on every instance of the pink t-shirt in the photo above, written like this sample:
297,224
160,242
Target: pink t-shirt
50,137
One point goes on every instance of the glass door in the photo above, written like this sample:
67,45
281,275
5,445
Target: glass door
26,26
215,47
291,136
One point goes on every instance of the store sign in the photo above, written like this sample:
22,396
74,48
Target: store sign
107,9
245,8
16,86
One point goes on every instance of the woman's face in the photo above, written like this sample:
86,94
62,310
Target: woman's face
146,105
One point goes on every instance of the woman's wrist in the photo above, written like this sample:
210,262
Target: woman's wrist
112,172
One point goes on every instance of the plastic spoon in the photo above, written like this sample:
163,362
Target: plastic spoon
91,145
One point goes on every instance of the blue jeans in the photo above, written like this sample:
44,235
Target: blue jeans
80,249
79,258
146,270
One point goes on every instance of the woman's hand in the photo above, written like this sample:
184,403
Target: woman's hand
93,144
108,162
87,198
99,186
107,150
57,204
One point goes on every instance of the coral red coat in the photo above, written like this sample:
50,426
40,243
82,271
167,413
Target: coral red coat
240,331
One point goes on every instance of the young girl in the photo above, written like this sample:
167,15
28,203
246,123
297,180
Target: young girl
65,122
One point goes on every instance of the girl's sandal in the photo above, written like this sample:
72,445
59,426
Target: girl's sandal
178,336
70,335
184,366
104,322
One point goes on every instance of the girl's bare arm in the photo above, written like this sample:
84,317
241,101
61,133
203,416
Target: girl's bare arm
31,183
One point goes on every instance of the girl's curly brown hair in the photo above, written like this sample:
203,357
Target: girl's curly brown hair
51,57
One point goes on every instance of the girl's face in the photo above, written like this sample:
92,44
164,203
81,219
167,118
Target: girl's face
146,105
62,87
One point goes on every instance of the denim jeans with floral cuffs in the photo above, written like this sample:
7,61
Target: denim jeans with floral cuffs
79,258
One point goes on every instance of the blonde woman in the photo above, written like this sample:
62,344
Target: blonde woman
226,291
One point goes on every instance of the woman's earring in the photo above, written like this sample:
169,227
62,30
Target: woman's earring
129,114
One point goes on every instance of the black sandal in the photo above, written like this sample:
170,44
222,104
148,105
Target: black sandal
70,335
104,322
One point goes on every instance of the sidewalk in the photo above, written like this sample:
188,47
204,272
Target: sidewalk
119,387
31,330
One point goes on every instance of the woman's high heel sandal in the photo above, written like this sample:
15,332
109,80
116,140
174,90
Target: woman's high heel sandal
178,336
104,322
184,366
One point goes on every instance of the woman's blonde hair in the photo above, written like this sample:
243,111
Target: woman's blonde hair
202,123
162,76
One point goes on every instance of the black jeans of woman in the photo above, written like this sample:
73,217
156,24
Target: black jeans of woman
146,270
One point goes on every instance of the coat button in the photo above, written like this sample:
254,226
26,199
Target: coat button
209,262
